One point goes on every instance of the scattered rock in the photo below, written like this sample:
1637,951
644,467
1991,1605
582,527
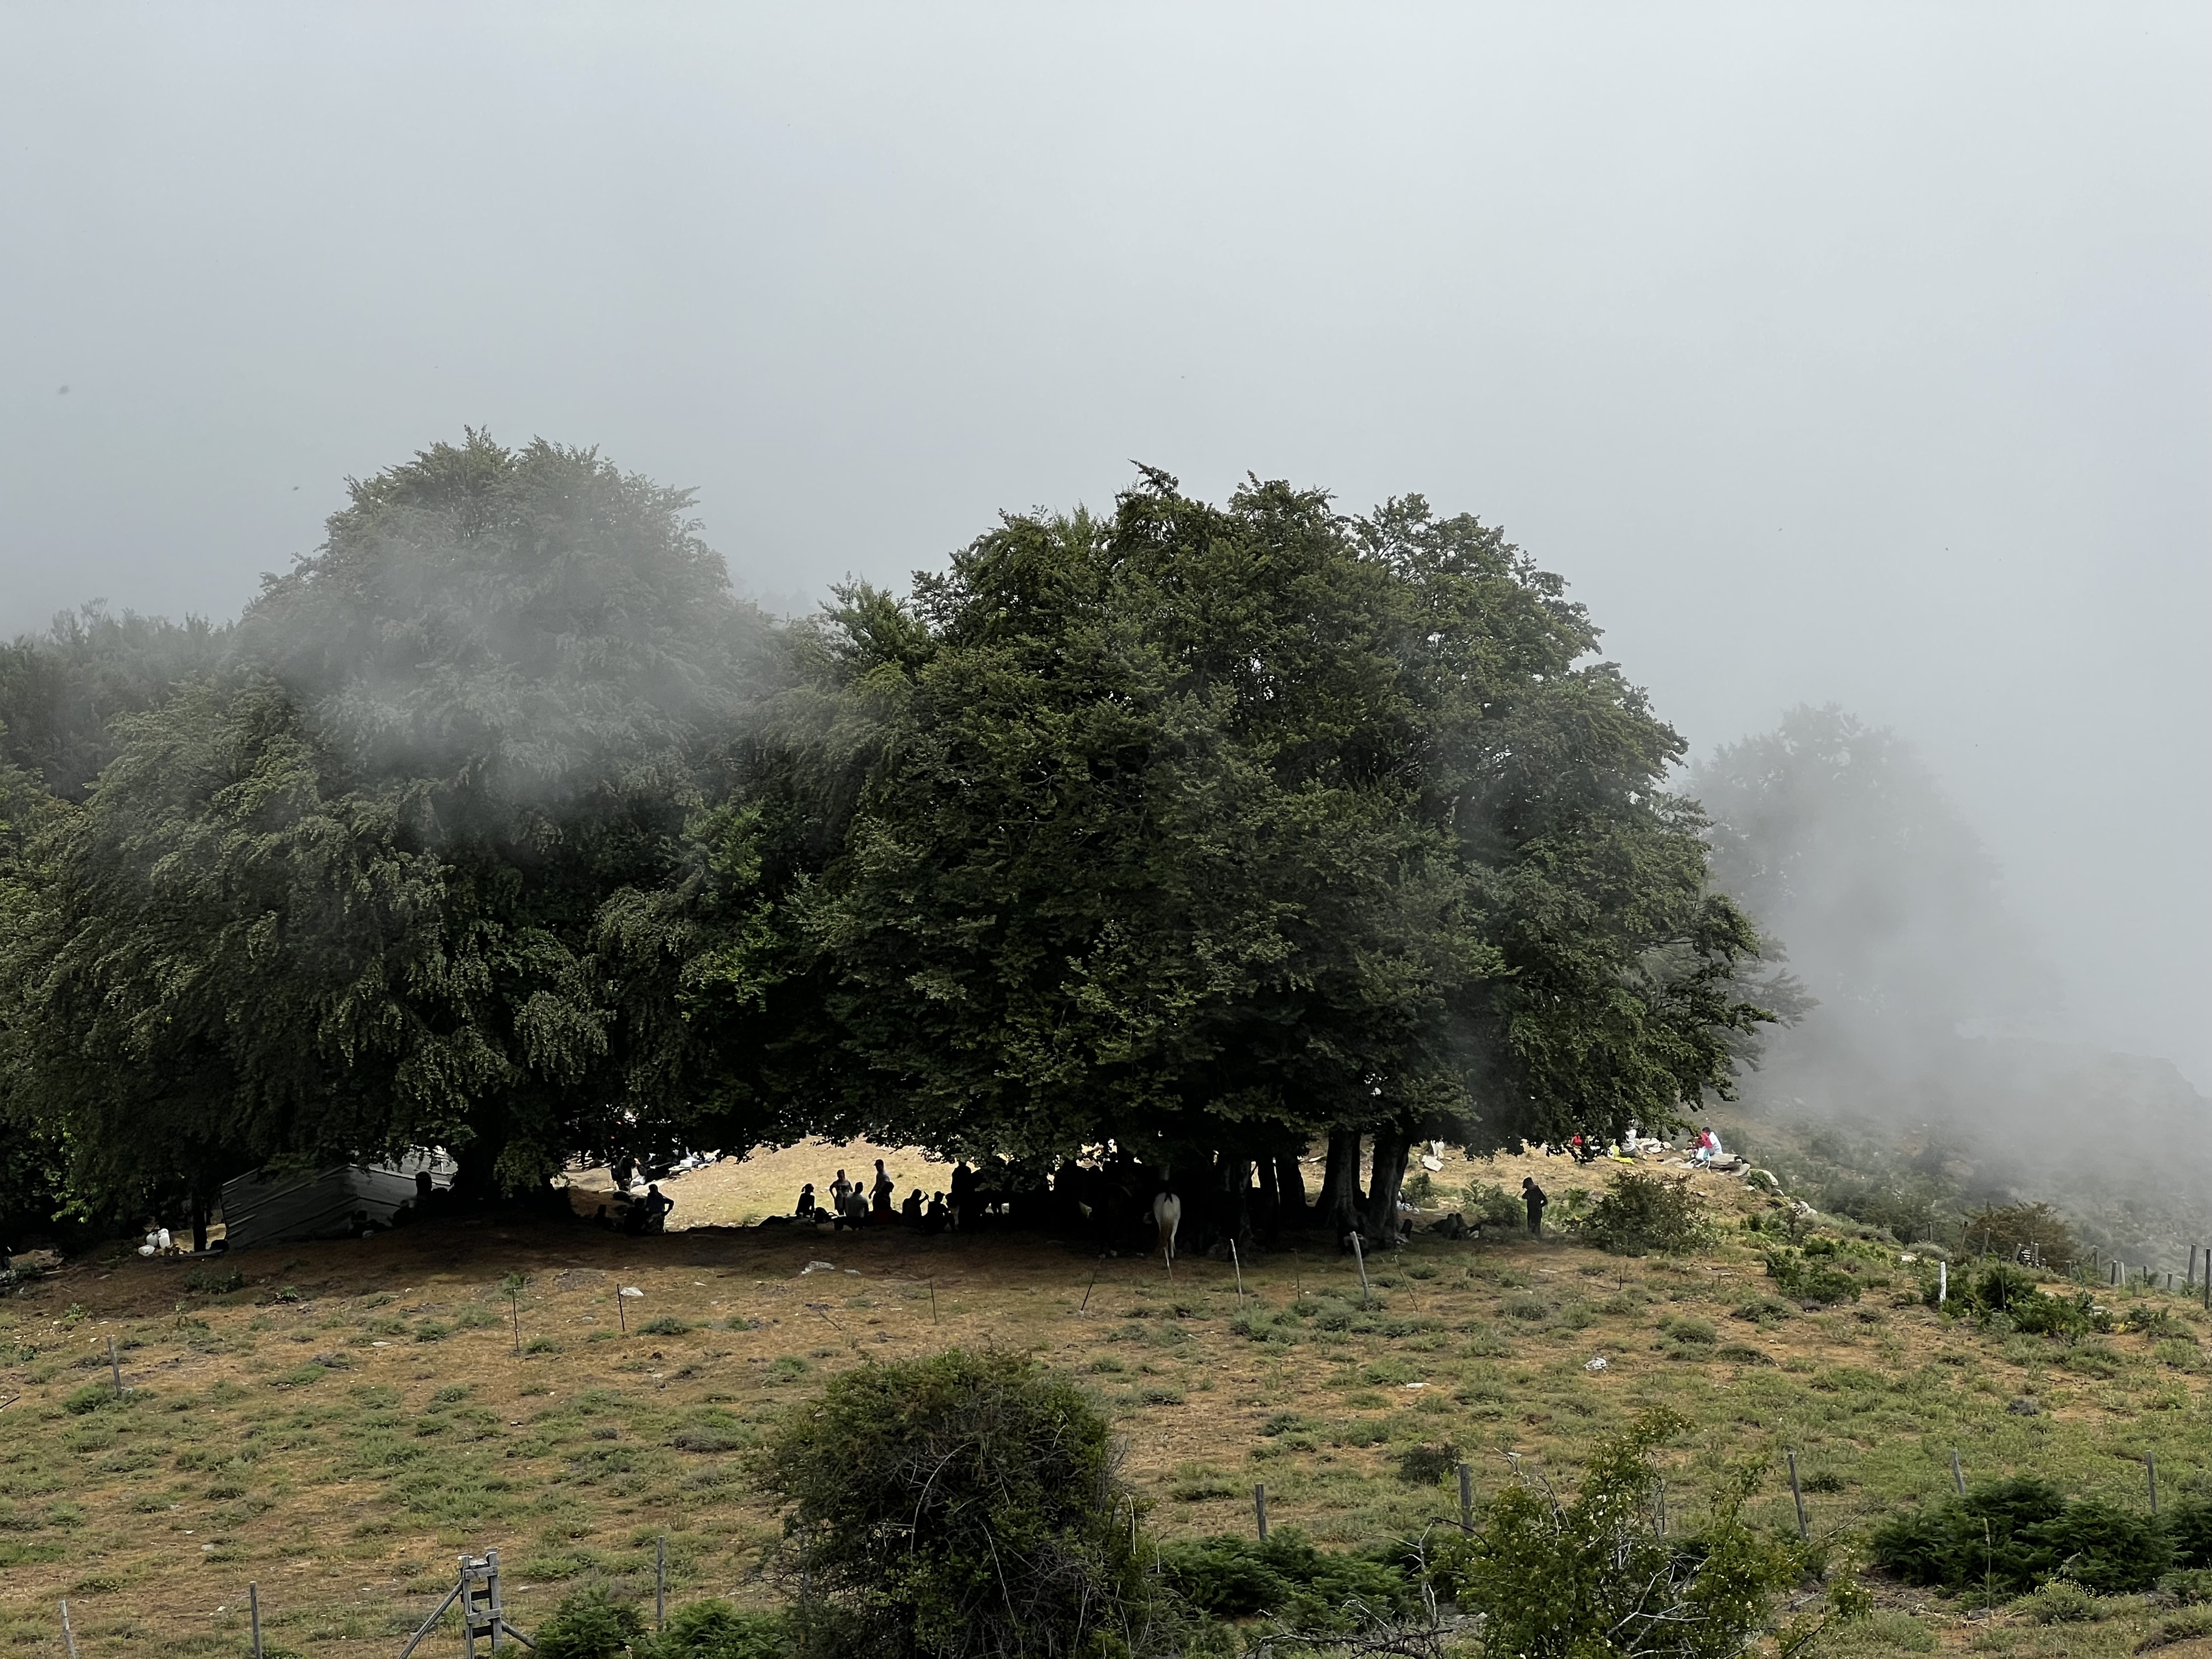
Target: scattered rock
1597,1364
2024,1406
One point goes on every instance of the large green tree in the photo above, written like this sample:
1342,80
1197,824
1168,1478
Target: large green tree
343,895
1205,827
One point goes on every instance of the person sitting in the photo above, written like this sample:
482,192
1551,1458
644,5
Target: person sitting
936,1217
910,1211
805,1210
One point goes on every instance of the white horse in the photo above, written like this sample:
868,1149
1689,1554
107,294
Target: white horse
1167,1215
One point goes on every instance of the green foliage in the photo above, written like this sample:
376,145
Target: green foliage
590,1625
1640,1214
1491,1205
1808,1281
720,1630
964,1503
1314,1592
2013,1535
92,1397
2001,1288
344,892
1558,1579
1205,824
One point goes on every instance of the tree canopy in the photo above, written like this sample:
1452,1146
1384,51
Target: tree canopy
502,823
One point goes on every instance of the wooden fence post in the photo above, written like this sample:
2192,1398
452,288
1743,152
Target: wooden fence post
1797,1497
1466,1499
1259,1509
253,1601
1957,1475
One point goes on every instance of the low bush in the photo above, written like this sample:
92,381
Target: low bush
664,1325
1314,1592
718,1630
1491,1205
590,1625
1810,1283
1593,1575
2013,1536
1425,1465
1643,1214
82,1402
2060,1603
962,1503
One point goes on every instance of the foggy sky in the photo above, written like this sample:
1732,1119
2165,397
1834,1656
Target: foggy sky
1844,353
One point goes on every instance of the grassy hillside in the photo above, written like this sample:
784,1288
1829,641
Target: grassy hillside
351,1416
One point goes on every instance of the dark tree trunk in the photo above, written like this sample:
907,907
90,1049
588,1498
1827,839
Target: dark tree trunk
1392,1147
199,1223
1290,1189
1339,1189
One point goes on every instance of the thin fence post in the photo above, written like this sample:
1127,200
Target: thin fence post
2190,1282
1466,1499
1797,1496
1237,1262
932,1299
1087,1289
1259,1509
2116,1274
1360,1254
68,1636
1942,1283
660,1583
2150,1466
1957,1475
114,1368
253,1602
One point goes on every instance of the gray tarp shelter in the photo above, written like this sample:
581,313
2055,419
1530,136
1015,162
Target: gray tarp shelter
266,1207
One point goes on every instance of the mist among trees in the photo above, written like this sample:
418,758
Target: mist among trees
502,823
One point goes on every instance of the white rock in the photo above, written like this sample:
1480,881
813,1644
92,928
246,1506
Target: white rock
1597,1364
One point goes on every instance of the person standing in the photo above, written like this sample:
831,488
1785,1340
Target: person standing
1534,1197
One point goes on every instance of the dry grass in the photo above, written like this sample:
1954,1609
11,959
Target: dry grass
346,1485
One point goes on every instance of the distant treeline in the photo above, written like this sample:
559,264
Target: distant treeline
502,823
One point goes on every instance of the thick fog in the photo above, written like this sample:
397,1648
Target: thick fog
1854,355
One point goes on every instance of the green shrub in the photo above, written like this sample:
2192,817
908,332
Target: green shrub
214,1281
1489,1204
1316,1592
2012,1536
2061,1602
2189,1530
967,1503
1553,1579
1425,1465
82,1402
2191,1586
664,1325
589,1625
1640,1214
2187,1625
718,1630
1809,1282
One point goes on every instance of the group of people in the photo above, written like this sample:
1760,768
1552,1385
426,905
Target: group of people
854,1204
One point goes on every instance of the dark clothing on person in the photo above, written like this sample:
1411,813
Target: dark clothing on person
805,1210
1532,1197
911,1210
